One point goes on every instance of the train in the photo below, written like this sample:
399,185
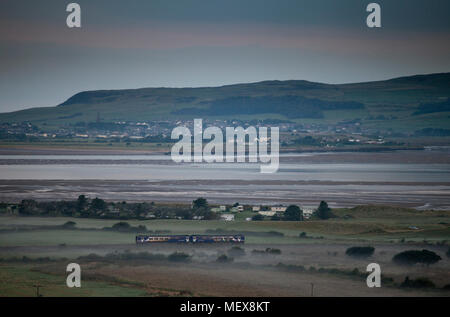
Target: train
197,238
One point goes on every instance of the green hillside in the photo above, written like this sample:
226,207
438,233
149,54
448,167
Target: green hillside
404,104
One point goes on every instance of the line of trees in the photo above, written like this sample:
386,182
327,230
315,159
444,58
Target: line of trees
98,208
85,207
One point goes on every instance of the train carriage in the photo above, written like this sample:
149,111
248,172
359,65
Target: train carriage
162,238
141,239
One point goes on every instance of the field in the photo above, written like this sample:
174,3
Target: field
37,250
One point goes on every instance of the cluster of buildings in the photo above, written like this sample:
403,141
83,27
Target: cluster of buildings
228,213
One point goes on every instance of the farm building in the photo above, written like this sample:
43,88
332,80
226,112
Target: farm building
267,213
278,208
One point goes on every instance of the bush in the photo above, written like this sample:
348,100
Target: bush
291,267
258,217
236,251
275,233
179,257
362,252
126,227
273,251
224,259
448,252
412,257
420,282
121,226
90,257
302,235
69,225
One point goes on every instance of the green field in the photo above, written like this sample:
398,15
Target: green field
35,251
365,223
22,280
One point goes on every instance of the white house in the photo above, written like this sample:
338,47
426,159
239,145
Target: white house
223,208
256,208
227,217
267,213
307,212
278,208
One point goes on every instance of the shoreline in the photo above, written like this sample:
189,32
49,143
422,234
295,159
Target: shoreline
307,194
40,149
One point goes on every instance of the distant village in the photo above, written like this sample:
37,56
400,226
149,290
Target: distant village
344,133
228,212
199,209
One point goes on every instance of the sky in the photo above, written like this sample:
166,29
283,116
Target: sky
126,44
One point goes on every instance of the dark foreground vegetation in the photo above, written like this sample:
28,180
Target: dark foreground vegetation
412,257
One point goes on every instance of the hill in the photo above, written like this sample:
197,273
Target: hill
405,104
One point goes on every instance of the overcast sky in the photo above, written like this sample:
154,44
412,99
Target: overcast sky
191,43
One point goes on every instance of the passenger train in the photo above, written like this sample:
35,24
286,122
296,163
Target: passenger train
235,238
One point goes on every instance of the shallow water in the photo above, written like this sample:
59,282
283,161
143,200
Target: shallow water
158,178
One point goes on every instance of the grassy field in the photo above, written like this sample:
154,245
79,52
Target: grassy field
21,281
388,229
365,223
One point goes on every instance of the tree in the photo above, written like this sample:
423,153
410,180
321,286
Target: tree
200,203
293,213
98,204
412,257
324,212
29,207
81,203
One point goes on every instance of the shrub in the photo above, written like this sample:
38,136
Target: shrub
291,267
420,282
412,257
121,226
273,251
276,233
363,252
126,227
90,257
302,235
258,217
69,225
224,259
179,257
236,251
